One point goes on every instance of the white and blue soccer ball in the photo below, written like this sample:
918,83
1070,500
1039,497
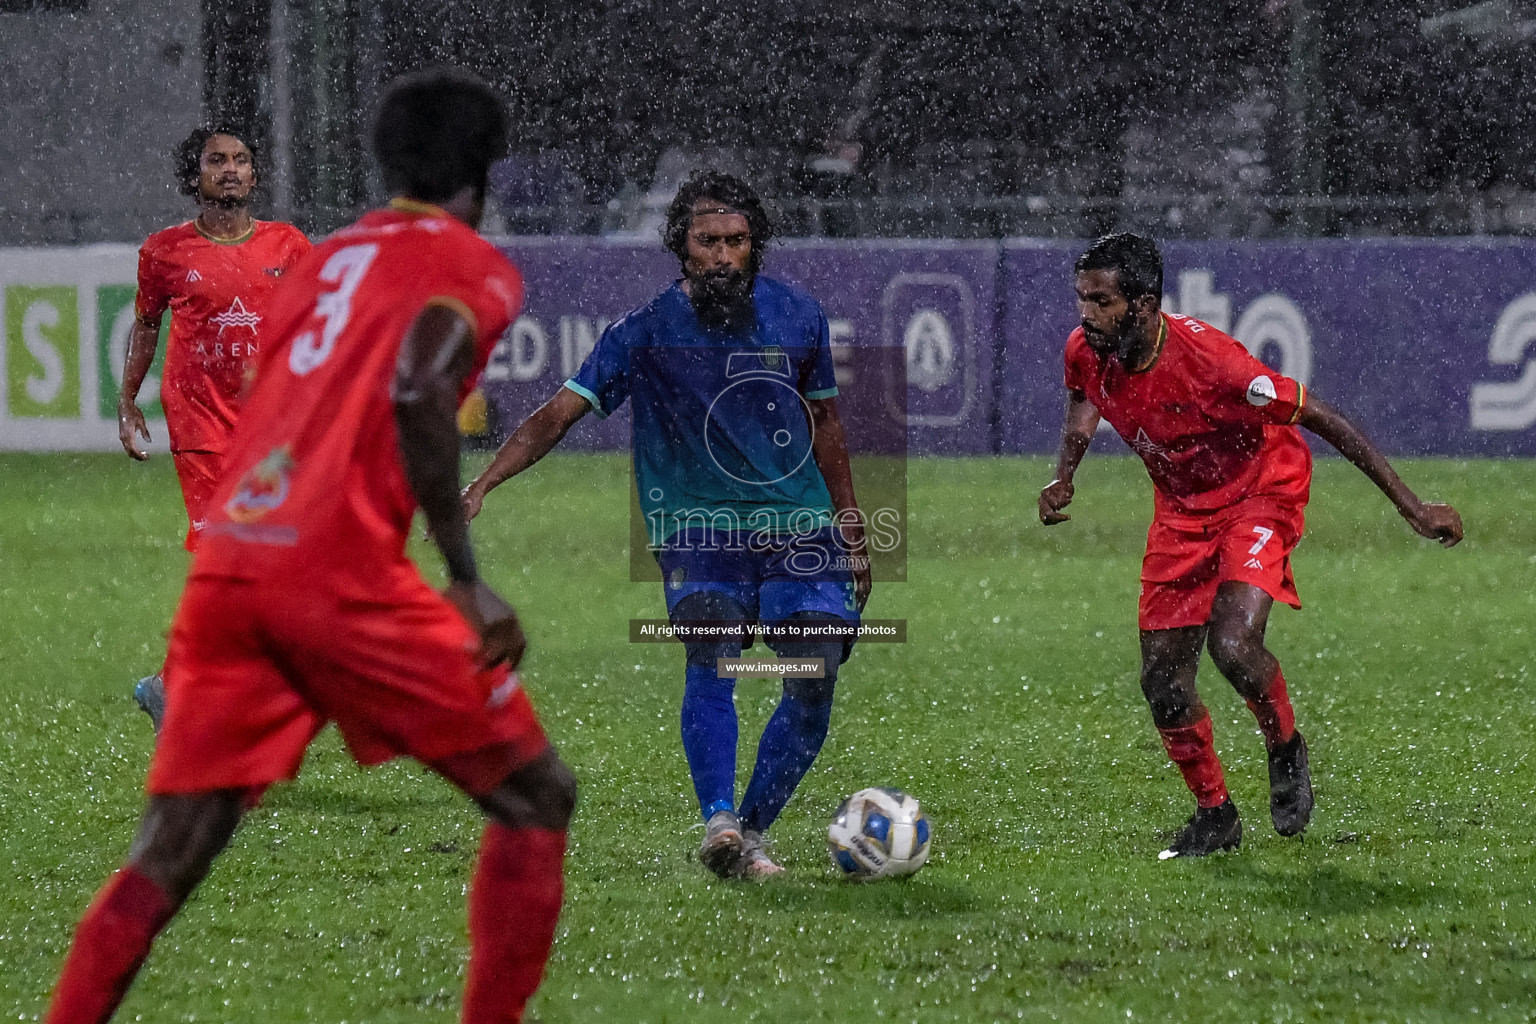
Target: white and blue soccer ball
879,833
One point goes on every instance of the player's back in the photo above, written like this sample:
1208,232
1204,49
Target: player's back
314,482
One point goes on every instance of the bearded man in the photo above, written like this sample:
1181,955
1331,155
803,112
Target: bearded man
742,472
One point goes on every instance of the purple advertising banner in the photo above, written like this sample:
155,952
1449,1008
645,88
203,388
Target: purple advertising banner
934,300
1429,345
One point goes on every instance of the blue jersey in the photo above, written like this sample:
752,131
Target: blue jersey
722,433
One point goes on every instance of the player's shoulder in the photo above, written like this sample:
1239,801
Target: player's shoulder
476,253
649,318
169,238
1203,340
1197,330
1078,350
282,232
784,298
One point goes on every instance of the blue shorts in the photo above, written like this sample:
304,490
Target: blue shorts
771,579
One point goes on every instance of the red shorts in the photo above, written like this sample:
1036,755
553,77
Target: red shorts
1188,557
198,473
257,669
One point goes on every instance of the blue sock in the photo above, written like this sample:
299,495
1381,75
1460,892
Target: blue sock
709,737
788,748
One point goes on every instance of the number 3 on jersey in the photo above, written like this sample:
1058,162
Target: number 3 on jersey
345,269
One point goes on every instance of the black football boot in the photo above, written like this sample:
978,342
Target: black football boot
1211,830
1290,786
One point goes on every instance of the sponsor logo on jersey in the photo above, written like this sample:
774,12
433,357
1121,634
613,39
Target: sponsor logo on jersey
264,487
272,271
1146,447
1261,391
1253,563
236,316
679,577
193,275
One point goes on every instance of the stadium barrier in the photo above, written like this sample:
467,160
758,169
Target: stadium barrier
1429,344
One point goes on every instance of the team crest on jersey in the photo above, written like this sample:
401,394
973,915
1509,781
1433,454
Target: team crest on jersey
236,316
273,271
772,357
263,488
679,577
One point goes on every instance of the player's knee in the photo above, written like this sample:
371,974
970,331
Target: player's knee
704,654
182,835
831,650
710,606
541,795
1234,650
1171,704
811,691
557,801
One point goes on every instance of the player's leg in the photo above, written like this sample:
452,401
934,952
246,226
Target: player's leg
711,577
799,589
198,474
1179,577
398,674
246,729
514,901
709,724
176,844
1239,617
794,735
1170,659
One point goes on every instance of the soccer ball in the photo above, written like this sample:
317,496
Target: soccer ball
879,833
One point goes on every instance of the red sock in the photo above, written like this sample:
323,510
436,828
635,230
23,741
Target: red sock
109,948
513,906
1192,748
1277,719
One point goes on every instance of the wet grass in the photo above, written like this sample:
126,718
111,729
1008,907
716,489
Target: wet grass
1013,712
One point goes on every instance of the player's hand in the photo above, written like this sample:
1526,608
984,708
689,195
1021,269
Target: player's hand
1437,521
473,497
1056,496
863,580
851,535
130,422
501,635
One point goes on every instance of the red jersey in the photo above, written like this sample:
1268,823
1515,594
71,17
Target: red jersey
1212,424
217,293
313,486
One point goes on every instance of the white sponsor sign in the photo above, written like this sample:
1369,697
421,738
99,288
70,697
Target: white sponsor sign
65,318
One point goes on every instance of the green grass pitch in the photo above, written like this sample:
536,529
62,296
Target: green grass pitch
1013,713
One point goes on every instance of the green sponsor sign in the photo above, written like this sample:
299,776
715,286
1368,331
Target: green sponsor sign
114,327
42,351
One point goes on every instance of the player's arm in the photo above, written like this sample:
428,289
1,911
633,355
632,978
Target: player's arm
1082,420
829,447
141,354
1429,519
533,439
436,355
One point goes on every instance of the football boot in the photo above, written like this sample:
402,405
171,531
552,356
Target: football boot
721,850
755,862
1290,786
149,695
1212,829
